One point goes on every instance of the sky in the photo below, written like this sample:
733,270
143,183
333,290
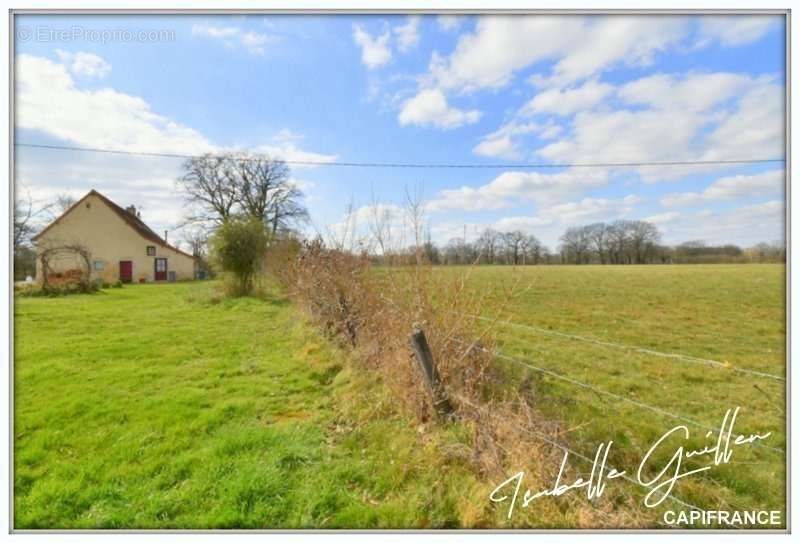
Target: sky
502,91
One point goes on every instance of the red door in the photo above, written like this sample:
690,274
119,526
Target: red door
161,269
125,271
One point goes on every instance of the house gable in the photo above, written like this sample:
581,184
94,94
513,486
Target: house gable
131,220
114,235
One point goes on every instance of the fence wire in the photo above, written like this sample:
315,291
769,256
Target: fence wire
643,350
564,448
600,391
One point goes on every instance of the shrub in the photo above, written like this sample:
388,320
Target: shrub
54,290
238,248
118,284
374,309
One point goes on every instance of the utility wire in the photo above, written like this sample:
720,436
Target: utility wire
418,165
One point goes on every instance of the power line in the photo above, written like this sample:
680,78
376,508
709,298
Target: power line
421,165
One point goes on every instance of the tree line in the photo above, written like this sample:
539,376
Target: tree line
620,242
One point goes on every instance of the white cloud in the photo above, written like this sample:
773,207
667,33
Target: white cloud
285,135
84,64
568,101
691,92
582,47
500,143
740,186
745,226
503,142
550,131
49,101
607,41
626,136
287,150
233,36
375,52
510,188
590,210
500,46
687,118
358,228
430,108
408,34
730,188
734,30
254,42
523,223
755,129
549,223
501,146
450,22
682,199
663,218
215,31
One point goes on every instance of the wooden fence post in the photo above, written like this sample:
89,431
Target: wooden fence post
425,358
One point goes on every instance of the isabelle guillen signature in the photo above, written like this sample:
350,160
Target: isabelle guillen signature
660,485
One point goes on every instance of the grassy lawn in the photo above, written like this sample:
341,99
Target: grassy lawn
730,313
152,406
160,406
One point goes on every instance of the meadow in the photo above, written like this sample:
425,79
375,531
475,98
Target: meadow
162,406
619,329
167,406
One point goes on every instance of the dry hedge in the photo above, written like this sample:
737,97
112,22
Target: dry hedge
373,309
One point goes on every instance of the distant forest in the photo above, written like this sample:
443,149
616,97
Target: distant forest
619,242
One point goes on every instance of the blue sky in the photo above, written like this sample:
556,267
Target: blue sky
466,90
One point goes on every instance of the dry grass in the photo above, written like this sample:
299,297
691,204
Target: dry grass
374,311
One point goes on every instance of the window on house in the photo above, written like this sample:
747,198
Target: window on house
99,265
151,250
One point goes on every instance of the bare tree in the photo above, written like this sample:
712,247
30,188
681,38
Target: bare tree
515,244
60,205
488,244
534,250
598,236
415,213
209,185
618,241
285,211
644,237
381,218
257,181
219,187
575,244
454,251
23,220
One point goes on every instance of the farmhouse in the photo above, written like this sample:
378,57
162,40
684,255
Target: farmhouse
113,242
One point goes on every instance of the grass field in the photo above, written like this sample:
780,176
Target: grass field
163,406
734,314
152,406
